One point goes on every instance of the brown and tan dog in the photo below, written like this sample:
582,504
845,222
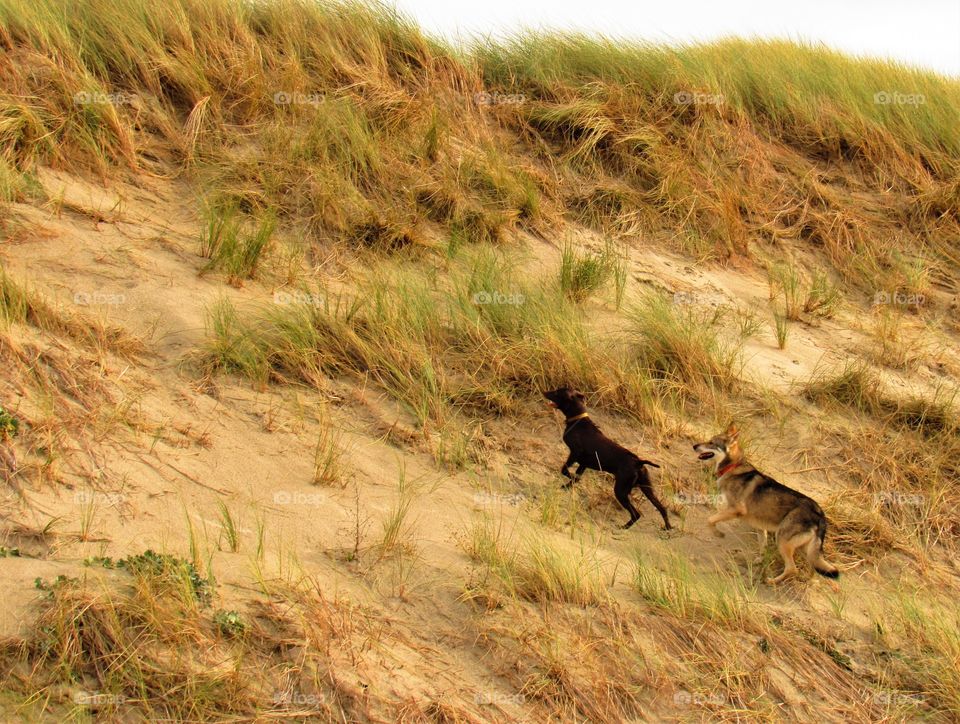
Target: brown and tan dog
762,502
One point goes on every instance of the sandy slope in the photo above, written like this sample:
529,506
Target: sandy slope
127,254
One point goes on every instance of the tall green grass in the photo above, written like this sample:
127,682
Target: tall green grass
583,272
349,118
684,345
809,94
474,342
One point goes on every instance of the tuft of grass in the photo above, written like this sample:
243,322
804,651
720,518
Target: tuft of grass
229,527
822,297
547,573
222,229
781,327
818,296
328,457
683,345
234,250
583,273
786,279
536,571
674,587
931,635
855,385
397,526
892,345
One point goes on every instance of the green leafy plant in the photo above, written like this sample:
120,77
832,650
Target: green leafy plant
167,567
229,623
9,425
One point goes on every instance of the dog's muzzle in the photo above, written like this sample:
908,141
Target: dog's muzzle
705,454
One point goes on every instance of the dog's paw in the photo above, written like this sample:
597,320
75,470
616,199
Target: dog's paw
566,486
626,525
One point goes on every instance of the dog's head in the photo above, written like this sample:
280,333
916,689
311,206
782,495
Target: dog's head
567,400
720,447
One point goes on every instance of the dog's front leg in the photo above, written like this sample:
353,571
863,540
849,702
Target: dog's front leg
725,514
566,472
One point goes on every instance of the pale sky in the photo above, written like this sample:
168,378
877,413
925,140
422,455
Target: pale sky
924,33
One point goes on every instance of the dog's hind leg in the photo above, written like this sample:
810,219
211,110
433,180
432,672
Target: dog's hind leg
644,485
621,490
788,547
821,565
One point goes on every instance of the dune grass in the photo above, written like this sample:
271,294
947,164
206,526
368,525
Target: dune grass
357,123
671,585
584,272
476,341
533,569
414,165
233,245
857,386
684,346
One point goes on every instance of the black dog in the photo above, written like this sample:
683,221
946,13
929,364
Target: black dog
590,448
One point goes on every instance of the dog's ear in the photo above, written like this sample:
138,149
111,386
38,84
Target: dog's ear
580,396
732,432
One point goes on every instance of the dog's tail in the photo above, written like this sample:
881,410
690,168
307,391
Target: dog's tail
647,462
815,552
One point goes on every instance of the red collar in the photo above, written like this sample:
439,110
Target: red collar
727,468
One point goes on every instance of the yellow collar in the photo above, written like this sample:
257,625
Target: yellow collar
577,417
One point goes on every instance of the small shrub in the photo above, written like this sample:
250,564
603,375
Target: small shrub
229,623
9,425
169,570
